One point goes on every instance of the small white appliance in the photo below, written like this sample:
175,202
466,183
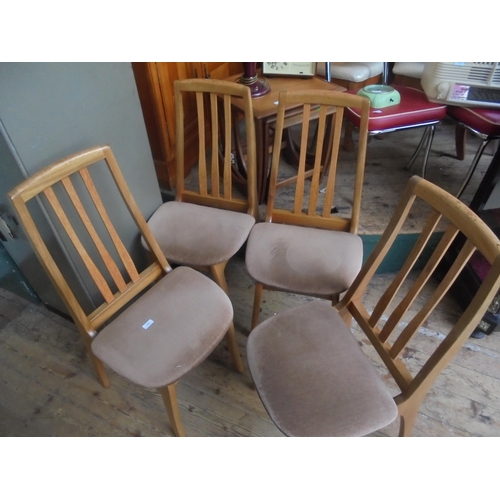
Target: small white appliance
475,84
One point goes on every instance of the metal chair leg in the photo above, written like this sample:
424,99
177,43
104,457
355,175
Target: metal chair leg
423,141
473,166
432,129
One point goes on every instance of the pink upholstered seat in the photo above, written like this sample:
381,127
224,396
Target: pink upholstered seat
483,122
413,110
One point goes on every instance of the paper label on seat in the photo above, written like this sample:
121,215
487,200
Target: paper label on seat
148,323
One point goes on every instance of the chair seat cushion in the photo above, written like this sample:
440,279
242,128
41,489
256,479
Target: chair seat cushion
352,71
413,110
187,313
411,69
312,376
195,235
483,120
302,259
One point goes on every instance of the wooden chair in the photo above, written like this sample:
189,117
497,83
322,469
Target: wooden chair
154,340
302,247
309,369
207,224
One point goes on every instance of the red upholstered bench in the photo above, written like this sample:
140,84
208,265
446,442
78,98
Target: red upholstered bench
414,110
483,122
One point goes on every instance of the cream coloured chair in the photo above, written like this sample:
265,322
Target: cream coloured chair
352,75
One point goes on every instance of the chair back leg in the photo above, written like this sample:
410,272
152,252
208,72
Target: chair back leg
473,166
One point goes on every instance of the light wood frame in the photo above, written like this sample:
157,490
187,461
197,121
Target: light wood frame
311,217
476,236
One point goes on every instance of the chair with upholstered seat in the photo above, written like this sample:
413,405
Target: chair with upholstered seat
408,74
352,75
316,378
414,111
208,222
142,325
302,247
483,123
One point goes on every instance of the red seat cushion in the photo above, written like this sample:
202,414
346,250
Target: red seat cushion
483,120
413,110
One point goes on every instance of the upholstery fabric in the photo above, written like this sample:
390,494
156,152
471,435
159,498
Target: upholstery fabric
414,109
483,120
352,71
190,315
411,69
312,376
303,259
199,236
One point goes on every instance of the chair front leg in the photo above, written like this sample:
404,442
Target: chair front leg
232,345
256,304
169,397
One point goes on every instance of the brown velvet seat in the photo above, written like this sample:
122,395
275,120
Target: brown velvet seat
210,220
309,369
193,235
303,247
150,337
295,359
158,339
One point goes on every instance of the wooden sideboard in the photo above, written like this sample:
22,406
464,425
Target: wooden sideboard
155,84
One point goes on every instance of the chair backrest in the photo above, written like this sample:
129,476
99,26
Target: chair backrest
218,157
306,205
405,308
74,191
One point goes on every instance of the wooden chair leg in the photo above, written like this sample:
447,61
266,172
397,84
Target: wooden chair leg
408,411
219,276
234,351
256,304
348,140
169,397
96,362
460,134
232,344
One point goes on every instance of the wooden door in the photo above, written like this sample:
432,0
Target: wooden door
155,83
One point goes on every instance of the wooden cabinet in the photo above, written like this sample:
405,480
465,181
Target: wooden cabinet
155,84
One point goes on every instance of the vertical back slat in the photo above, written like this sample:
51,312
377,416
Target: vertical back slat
332,168
422,279
80,248
415,253
320,138
118,243
300,186
202,157
103,252
406,335
214,169
228,145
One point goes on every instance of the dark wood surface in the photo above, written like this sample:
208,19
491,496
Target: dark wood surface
265,109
